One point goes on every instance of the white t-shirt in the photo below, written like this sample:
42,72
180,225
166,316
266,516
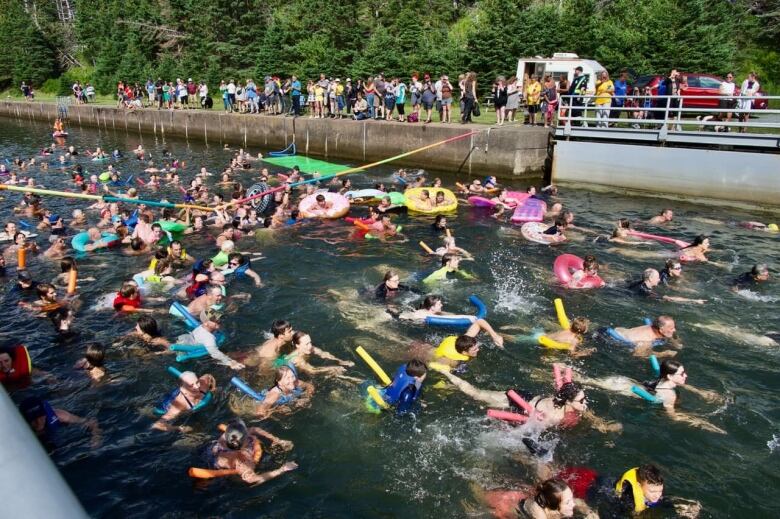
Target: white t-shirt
204,90
231,88
727,88
205,338
437,87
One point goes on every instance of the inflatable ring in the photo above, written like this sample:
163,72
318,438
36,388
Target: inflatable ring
534,231
260,204
413,200
339,206
364,196
531,210
458,322
565,263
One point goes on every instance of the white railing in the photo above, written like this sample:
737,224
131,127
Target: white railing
665,118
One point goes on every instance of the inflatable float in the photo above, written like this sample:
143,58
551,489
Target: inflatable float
565,264
364,196
4,237
60,134
531,210
459,322
534,231
339,206
21,365
663,239
413,201
515,197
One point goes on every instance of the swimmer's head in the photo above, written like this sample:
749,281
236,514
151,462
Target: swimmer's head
467,345
440,221
701,241
571,393
590,264
392,279
302,342
95,354
235,435
651,278
282,329
148,325
416,369
760,272
579,326
652,483
674,371
34,411
664,325
432,303
227,246
556,496
673,267
6,361
667,214
190,379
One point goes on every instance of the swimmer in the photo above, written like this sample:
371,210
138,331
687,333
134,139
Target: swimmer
672,376
564,409
287,392
696,250
321,206
148,331
450,248
758,226
423,200
211,299
465,345
384,228
92,362
642,338
296,354
551,499
432,307
662,218
390,287
751,280
45,420
95,240
439,224
192,392
450,268
621,234
282,332
769,339
204,335
671,272
385,205
239,265
228,234
590,268
440,201
574,337
179,256
57,250
646,288
235,450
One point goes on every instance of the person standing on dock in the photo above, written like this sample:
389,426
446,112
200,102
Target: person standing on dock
578,87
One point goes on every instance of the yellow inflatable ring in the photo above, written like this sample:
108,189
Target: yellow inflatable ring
413,200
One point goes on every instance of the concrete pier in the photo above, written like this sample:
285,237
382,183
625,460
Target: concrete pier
509,151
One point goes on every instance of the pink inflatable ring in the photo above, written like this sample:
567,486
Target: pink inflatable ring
563,267
337,206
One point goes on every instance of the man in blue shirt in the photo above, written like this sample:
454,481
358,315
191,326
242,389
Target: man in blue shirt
619,96
295,92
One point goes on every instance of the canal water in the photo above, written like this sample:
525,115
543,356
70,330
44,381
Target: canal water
356,464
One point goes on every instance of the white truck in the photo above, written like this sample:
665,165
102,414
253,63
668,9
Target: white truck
561,64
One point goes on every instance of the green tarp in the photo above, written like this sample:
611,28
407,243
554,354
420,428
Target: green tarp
306,164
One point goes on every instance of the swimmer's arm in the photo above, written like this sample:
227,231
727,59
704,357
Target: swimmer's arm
602,425
692,420
91,424
678,299
264,409
710,396
329,356
644,349
255,277
248,474
217,355
286,444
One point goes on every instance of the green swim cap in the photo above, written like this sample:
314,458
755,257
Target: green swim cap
772,227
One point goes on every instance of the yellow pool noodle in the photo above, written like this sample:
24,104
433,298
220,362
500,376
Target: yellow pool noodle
373,365
554,345
438,366
376,397
561,312
426,248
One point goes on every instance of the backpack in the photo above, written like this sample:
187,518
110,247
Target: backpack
412,117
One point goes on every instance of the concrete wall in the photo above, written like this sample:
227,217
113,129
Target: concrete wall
504,152
724,177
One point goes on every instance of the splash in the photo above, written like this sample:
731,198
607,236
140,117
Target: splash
514,286
774,443
749,294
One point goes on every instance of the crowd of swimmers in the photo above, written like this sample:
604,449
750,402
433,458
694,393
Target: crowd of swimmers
204,293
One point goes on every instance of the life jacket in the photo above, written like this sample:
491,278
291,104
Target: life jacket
447,350
640,503
21,366
401,382
121,301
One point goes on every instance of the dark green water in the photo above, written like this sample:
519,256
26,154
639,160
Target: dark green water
353,464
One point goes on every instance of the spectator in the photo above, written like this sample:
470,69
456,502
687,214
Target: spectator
338,92
727,101
671,88
446,100
231,92
619,97
749,89
469,97
379,101
533,94
550,97
150,92
241,98
90,93
350,94
203,92
361,110
400,98
563,89
26,91
428,97
440,97
512,99
604,91
311,98
416,89
158,92
225,98
370,94
192,90
500,96
295,94
389,97
578,87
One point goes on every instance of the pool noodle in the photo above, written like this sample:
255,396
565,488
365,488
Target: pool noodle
655,365
557,376
506,415
426,248
21,258
175,372
567,375
560,311
376,397
72,277
192,322
244,387
642,393
520,402
551,344
373,365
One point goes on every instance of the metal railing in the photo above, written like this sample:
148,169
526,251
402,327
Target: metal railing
667,119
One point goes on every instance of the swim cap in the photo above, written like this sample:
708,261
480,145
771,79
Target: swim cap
188,377
235,434
772,227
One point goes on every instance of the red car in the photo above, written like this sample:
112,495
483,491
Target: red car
698,85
